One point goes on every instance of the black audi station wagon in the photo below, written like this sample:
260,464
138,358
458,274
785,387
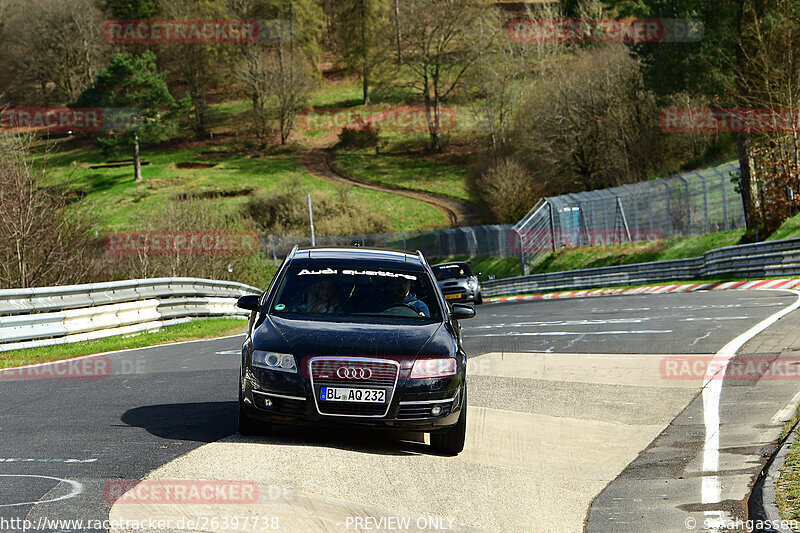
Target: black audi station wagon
355,336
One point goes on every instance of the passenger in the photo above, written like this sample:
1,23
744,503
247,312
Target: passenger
321,298
401,293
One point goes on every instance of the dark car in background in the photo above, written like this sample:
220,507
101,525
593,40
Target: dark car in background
354,336
458,282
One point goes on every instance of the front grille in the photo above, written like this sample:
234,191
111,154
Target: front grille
353,372
327,372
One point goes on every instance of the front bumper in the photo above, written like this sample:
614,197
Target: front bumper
410,405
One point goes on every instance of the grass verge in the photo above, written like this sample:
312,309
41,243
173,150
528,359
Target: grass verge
788,487
626,254
194,330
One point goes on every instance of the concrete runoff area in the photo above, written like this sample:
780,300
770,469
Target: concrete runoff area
528,466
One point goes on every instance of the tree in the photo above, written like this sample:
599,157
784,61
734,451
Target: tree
198,66
361,27
589,124
55,41
45,240
277,71
502,74
438,49
132,81
279,84
133,9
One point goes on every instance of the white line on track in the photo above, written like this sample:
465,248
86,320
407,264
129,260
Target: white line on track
76,488
566,333
712,389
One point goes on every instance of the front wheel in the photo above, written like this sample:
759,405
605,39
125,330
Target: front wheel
248,426
479,299
451,441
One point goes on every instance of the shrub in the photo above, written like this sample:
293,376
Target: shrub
361,135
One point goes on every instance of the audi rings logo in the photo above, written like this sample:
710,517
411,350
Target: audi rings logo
354,372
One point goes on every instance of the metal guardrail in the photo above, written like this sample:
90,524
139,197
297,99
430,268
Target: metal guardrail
57,315
766,259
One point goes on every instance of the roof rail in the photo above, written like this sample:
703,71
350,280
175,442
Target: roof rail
421,257
291,254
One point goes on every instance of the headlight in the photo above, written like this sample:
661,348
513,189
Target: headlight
283,362
434,368
471,284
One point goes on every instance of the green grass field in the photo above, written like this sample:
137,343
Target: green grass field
118,202
400,171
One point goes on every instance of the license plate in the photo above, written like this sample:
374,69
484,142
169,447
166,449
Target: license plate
452,296
339,394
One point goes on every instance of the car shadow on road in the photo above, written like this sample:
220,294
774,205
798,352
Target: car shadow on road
362,440
199,422
212,421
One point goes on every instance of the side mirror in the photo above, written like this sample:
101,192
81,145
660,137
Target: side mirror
479,274
463,311
249,302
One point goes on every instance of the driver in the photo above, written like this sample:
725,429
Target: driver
401,293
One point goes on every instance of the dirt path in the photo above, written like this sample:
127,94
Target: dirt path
315,158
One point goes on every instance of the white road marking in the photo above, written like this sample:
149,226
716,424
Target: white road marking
29,460
229,352
567,333
712,389
76,488
787,413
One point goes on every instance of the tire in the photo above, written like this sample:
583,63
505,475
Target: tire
451,441
479,299
248,426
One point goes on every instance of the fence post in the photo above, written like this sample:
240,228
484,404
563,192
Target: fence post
724,200
688,215
669,206
274,255
552,224
632,192
405,248
705,201
521,251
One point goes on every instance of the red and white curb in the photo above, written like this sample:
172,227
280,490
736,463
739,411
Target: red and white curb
656,289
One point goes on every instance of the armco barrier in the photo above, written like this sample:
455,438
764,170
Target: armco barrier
766,259
57,315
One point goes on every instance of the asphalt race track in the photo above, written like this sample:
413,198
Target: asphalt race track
573,423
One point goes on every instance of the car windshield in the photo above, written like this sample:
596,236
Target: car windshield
344,291
460,270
